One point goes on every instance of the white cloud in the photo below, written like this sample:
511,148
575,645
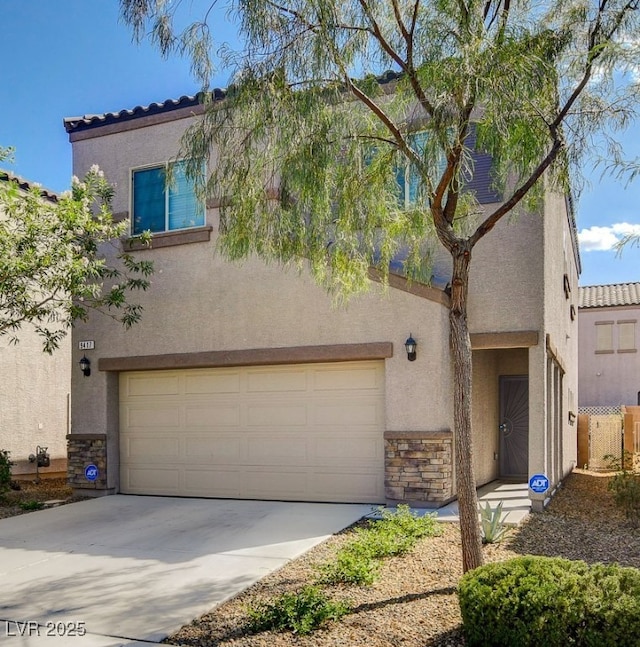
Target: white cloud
602,239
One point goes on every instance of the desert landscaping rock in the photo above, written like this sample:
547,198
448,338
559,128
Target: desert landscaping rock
414,602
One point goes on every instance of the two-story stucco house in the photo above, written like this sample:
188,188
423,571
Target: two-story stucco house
609,364
243,381
34,391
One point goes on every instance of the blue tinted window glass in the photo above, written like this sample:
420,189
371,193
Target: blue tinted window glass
185,210
148,200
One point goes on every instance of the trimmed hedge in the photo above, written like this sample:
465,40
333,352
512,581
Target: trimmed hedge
550,602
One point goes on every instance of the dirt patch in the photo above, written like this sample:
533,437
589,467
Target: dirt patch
20,501
414,602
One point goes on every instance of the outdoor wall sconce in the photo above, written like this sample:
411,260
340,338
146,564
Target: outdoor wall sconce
410,345
85,366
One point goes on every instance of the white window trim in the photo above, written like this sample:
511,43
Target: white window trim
166,229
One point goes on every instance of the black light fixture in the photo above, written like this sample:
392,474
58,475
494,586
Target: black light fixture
85,366
410,345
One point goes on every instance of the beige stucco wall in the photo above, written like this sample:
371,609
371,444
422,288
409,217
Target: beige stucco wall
33,400
253,305
607,378
199,302
505,284
561,329
485,415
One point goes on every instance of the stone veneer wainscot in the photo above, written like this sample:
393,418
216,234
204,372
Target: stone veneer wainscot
419,467
83,450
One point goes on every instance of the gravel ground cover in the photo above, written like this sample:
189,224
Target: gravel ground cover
414,602
46,490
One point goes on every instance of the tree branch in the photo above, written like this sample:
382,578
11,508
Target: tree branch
490,222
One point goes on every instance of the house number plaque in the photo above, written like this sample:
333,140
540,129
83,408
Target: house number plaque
86,345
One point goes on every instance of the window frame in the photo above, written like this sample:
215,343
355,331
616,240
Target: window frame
627,322
160,165
409,171
610,325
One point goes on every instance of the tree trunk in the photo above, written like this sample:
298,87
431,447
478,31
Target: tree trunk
462,366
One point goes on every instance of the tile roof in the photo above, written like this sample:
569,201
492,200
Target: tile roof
25,185
84,122
601,296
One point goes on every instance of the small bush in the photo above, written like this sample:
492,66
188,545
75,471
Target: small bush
300,612
29,506
534,601
398,531
625,487
395,534
353,564
5,471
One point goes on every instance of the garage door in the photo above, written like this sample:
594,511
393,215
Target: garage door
309,432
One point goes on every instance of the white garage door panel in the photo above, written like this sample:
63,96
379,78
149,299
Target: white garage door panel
157,480
218,450
141,448
225,483
141,417
348,414
212,416
329,487
353,379
356,449
309,432
277,414
286,381
223,383
152,385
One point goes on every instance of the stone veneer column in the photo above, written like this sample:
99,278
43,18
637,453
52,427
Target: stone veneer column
84,450
419,467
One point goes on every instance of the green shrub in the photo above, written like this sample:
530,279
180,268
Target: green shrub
625,487
353,564
5,471
29,506
535,601
300,612
396,533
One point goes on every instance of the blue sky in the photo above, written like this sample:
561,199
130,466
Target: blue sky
63,58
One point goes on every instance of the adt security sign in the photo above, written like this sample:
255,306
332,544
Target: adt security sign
539,483
91,472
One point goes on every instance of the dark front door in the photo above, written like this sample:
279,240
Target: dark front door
514,426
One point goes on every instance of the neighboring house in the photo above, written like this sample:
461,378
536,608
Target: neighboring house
34,392
243,381
609,362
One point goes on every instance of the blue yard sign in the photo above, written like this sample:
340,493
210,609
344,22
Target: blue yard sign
539,483
91,472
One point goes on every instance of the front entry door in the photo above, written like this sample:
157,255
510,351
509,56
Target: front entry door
514,426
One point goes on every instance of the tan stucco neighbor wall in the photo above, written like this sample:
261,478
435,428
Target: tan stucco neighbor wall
608,378
34,392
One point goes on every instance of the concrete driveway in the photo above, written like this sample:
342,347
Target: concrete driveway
129,570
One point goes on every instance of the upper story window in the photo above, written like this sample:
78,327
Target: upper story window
604,337
407,175
158,206
626,336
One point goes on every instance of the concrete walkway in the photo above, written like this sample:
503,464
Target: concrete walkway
516,504
129,570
